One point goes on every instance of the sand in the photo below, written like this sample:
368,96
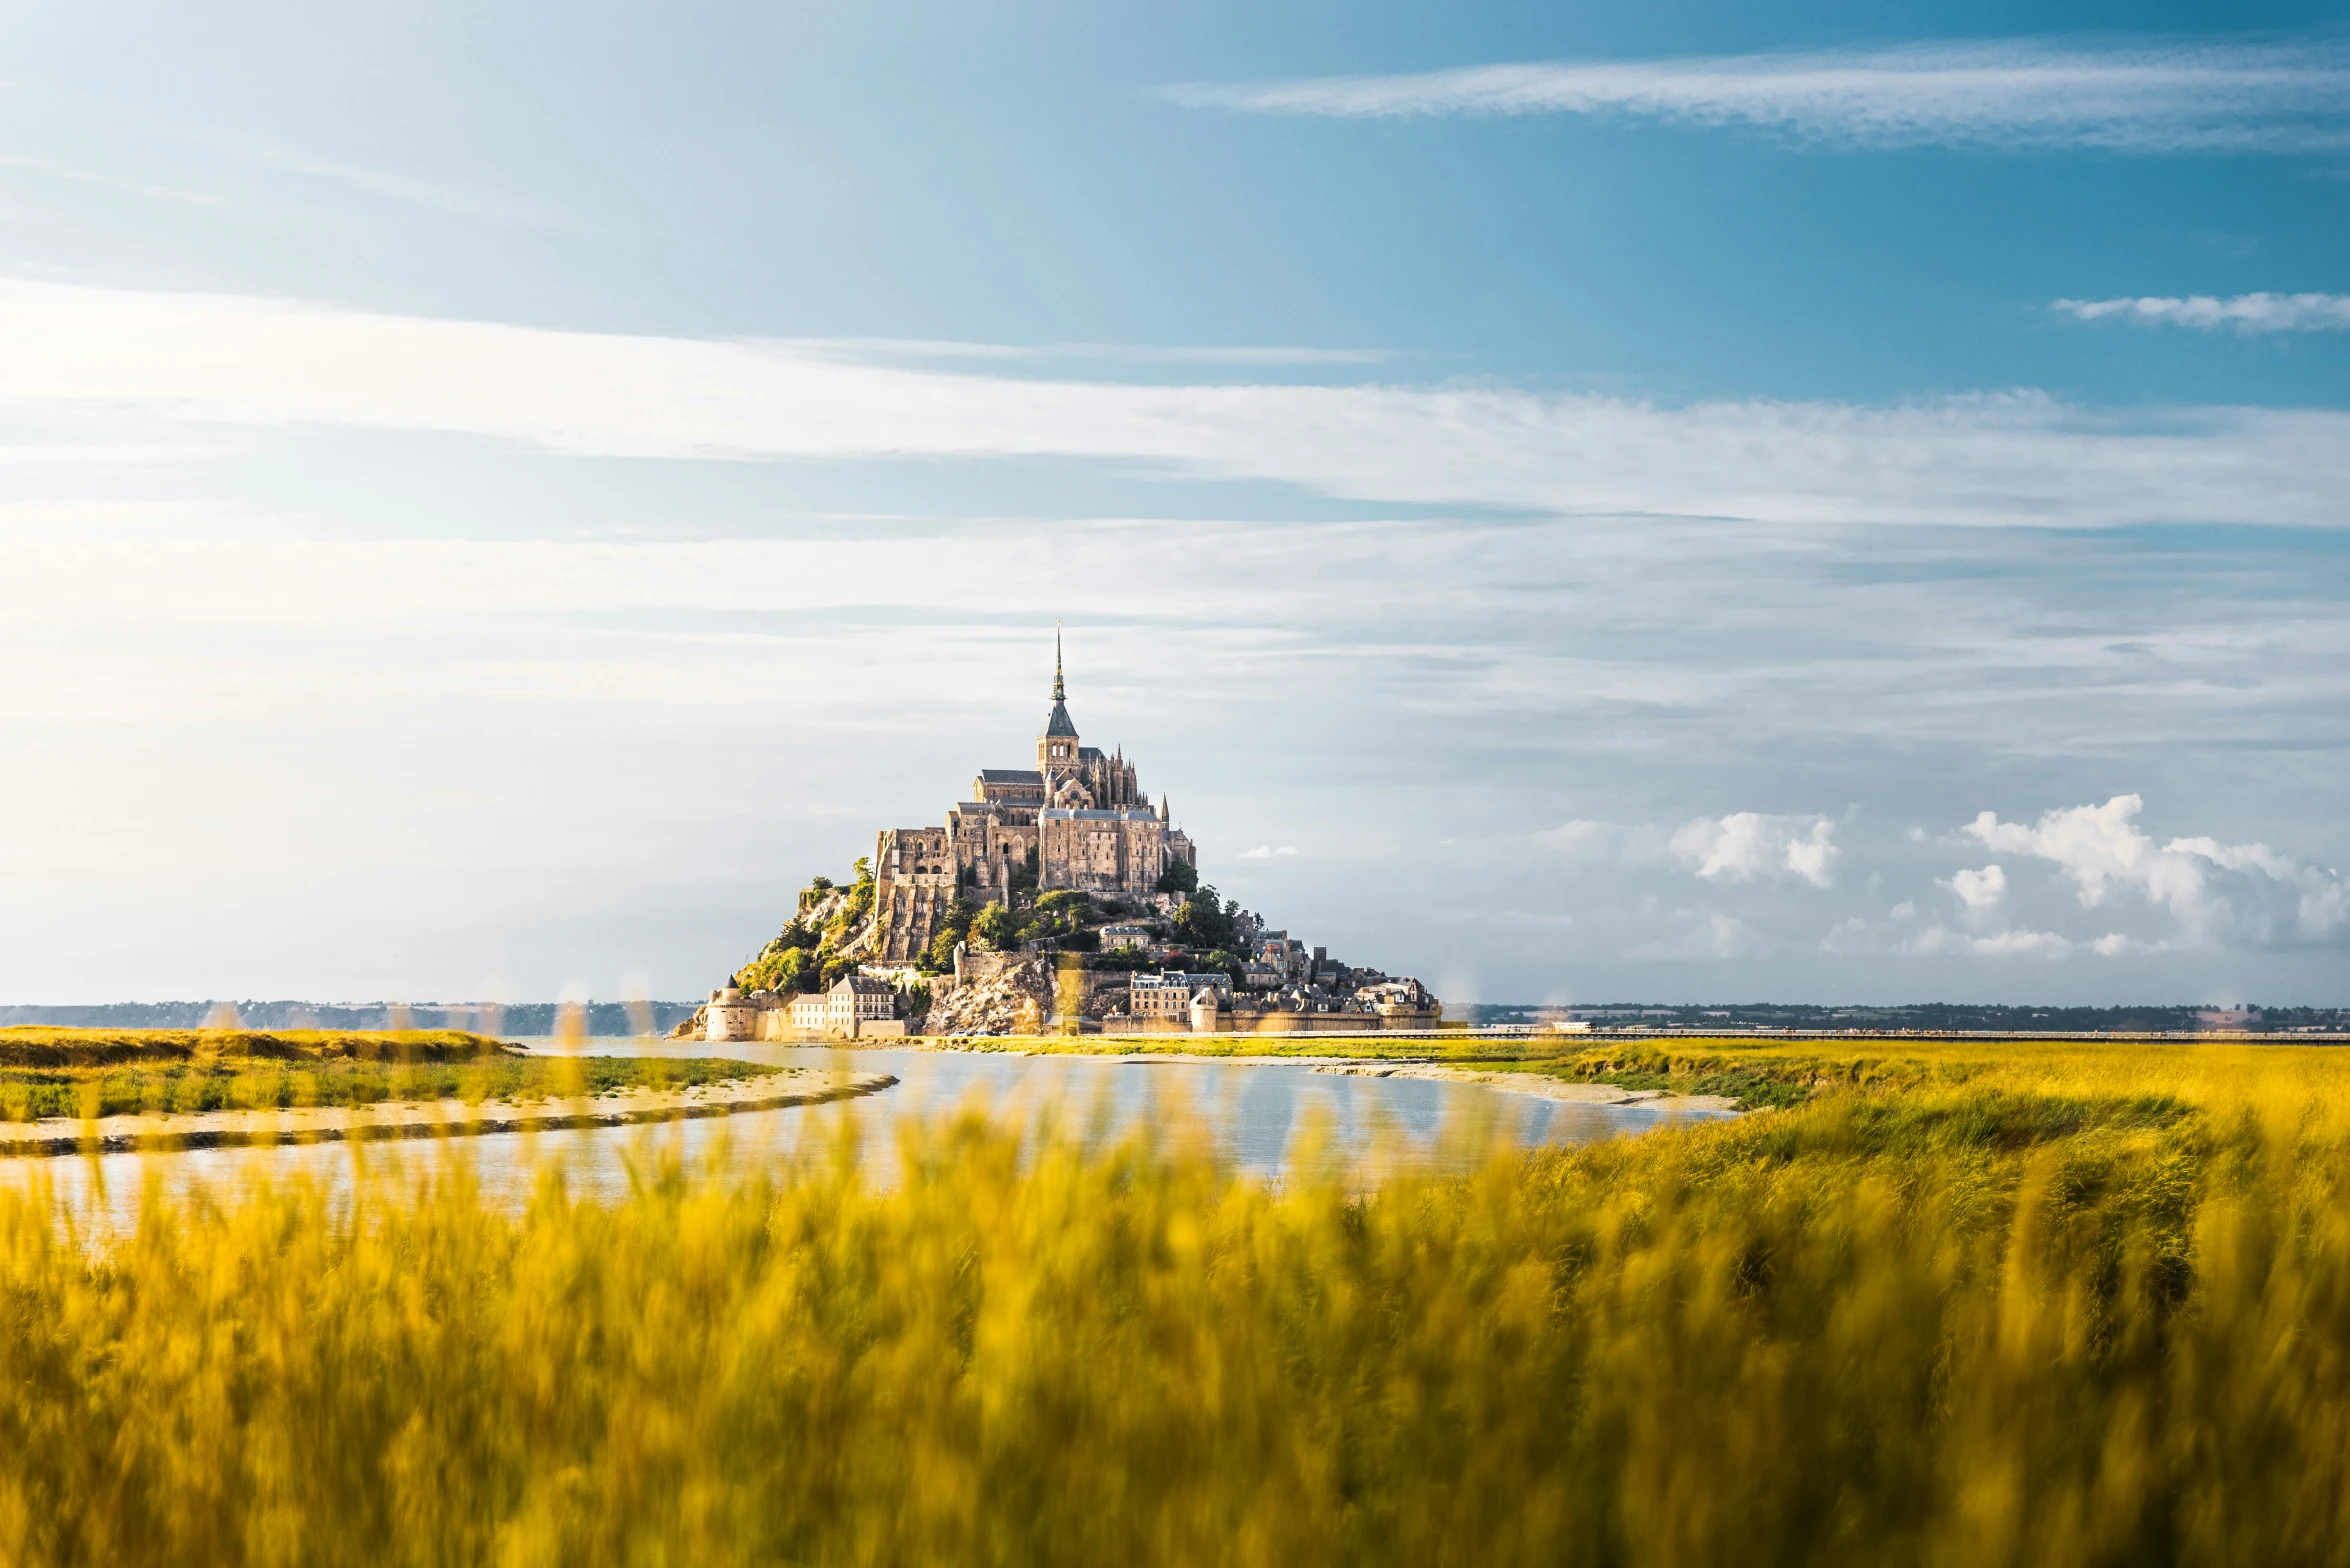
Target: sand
1539,1084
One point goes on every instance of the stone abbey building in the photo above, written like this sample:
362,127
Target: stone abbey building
1078,819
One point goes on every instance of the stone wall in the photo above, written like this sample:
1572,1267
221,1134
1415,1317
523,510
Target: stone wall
1101,851
914,881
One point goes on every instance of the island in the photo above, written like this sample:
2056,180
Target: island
1057,899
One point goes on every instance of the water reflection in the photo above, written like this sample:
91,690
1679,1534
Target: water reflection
1254,1112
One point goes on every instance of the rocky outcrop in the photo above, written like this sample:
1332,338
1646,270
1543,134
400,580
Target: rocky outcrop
1015,999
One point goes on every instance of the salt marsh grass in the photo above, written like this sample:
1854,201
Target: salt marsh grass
2065,1305
76,1072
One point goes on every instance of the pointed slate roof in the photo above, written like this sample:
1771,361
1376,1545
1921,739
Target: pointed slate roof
1060,724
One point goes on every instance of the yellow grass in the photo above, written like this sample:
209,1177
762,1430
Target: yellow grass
41,1045
1966,1305
90,1072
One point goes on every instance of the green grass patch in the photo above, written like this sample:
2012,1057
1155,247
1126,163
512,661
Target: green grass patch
169,1086
41,1046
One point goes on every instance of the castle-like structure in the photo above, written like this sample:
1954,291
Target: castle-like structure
1078,819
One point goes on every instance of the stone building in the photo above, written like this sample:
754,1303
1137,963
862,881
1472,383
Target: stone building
1078,819
732,1015
856,1007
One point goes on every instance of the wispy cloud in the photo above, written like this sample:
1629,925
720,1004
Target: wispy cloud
50,169
1712,935
2004,459
887,349
49,105
445,195
2238,312
2019,943
1739,847
2127,96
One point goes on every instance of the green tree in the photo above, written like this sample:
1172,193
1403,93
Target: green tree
1067,905
1179,877
795,934
953,926
1218,959
790,970
995,927
1203,922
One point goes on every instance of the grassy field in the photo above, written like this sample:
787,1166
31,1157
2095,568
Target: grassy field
73,1072
35,1045
1463,1047
1757,1073
1957,1305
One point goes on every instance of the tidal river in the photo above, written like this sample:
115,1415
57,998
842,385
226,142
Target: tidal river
1256,1113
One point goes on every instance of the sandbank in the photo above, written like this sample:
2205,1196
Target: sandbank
432,1118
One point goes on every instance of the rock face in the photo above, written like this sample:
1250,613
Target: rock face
1014,1000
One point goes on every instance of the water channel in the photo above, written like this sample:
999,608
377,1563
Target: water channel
1253,1111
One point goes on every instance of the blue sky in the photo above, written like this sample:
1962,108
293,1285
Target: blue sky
1601,500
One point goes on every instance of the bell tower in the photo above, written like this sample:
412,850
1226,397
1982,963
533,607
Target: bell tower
1056,748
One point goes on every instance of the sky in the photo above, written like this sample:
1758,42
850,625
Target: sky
1684,502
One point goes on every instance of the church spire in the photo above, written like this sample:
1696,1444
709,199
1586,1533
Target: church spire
1051,754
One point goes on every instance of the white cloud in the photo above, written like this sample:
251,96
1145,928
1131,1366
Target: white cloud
2220,894
1980,889
453,196
2007,459
1739,847
1266,852
1860,936
1747,844
2131,97
2240,312
1937,941
1714,935
2022,944
857,349
1619,843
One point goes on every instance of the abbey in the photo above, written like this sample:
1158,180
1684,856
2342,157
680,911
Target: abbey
1078,819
